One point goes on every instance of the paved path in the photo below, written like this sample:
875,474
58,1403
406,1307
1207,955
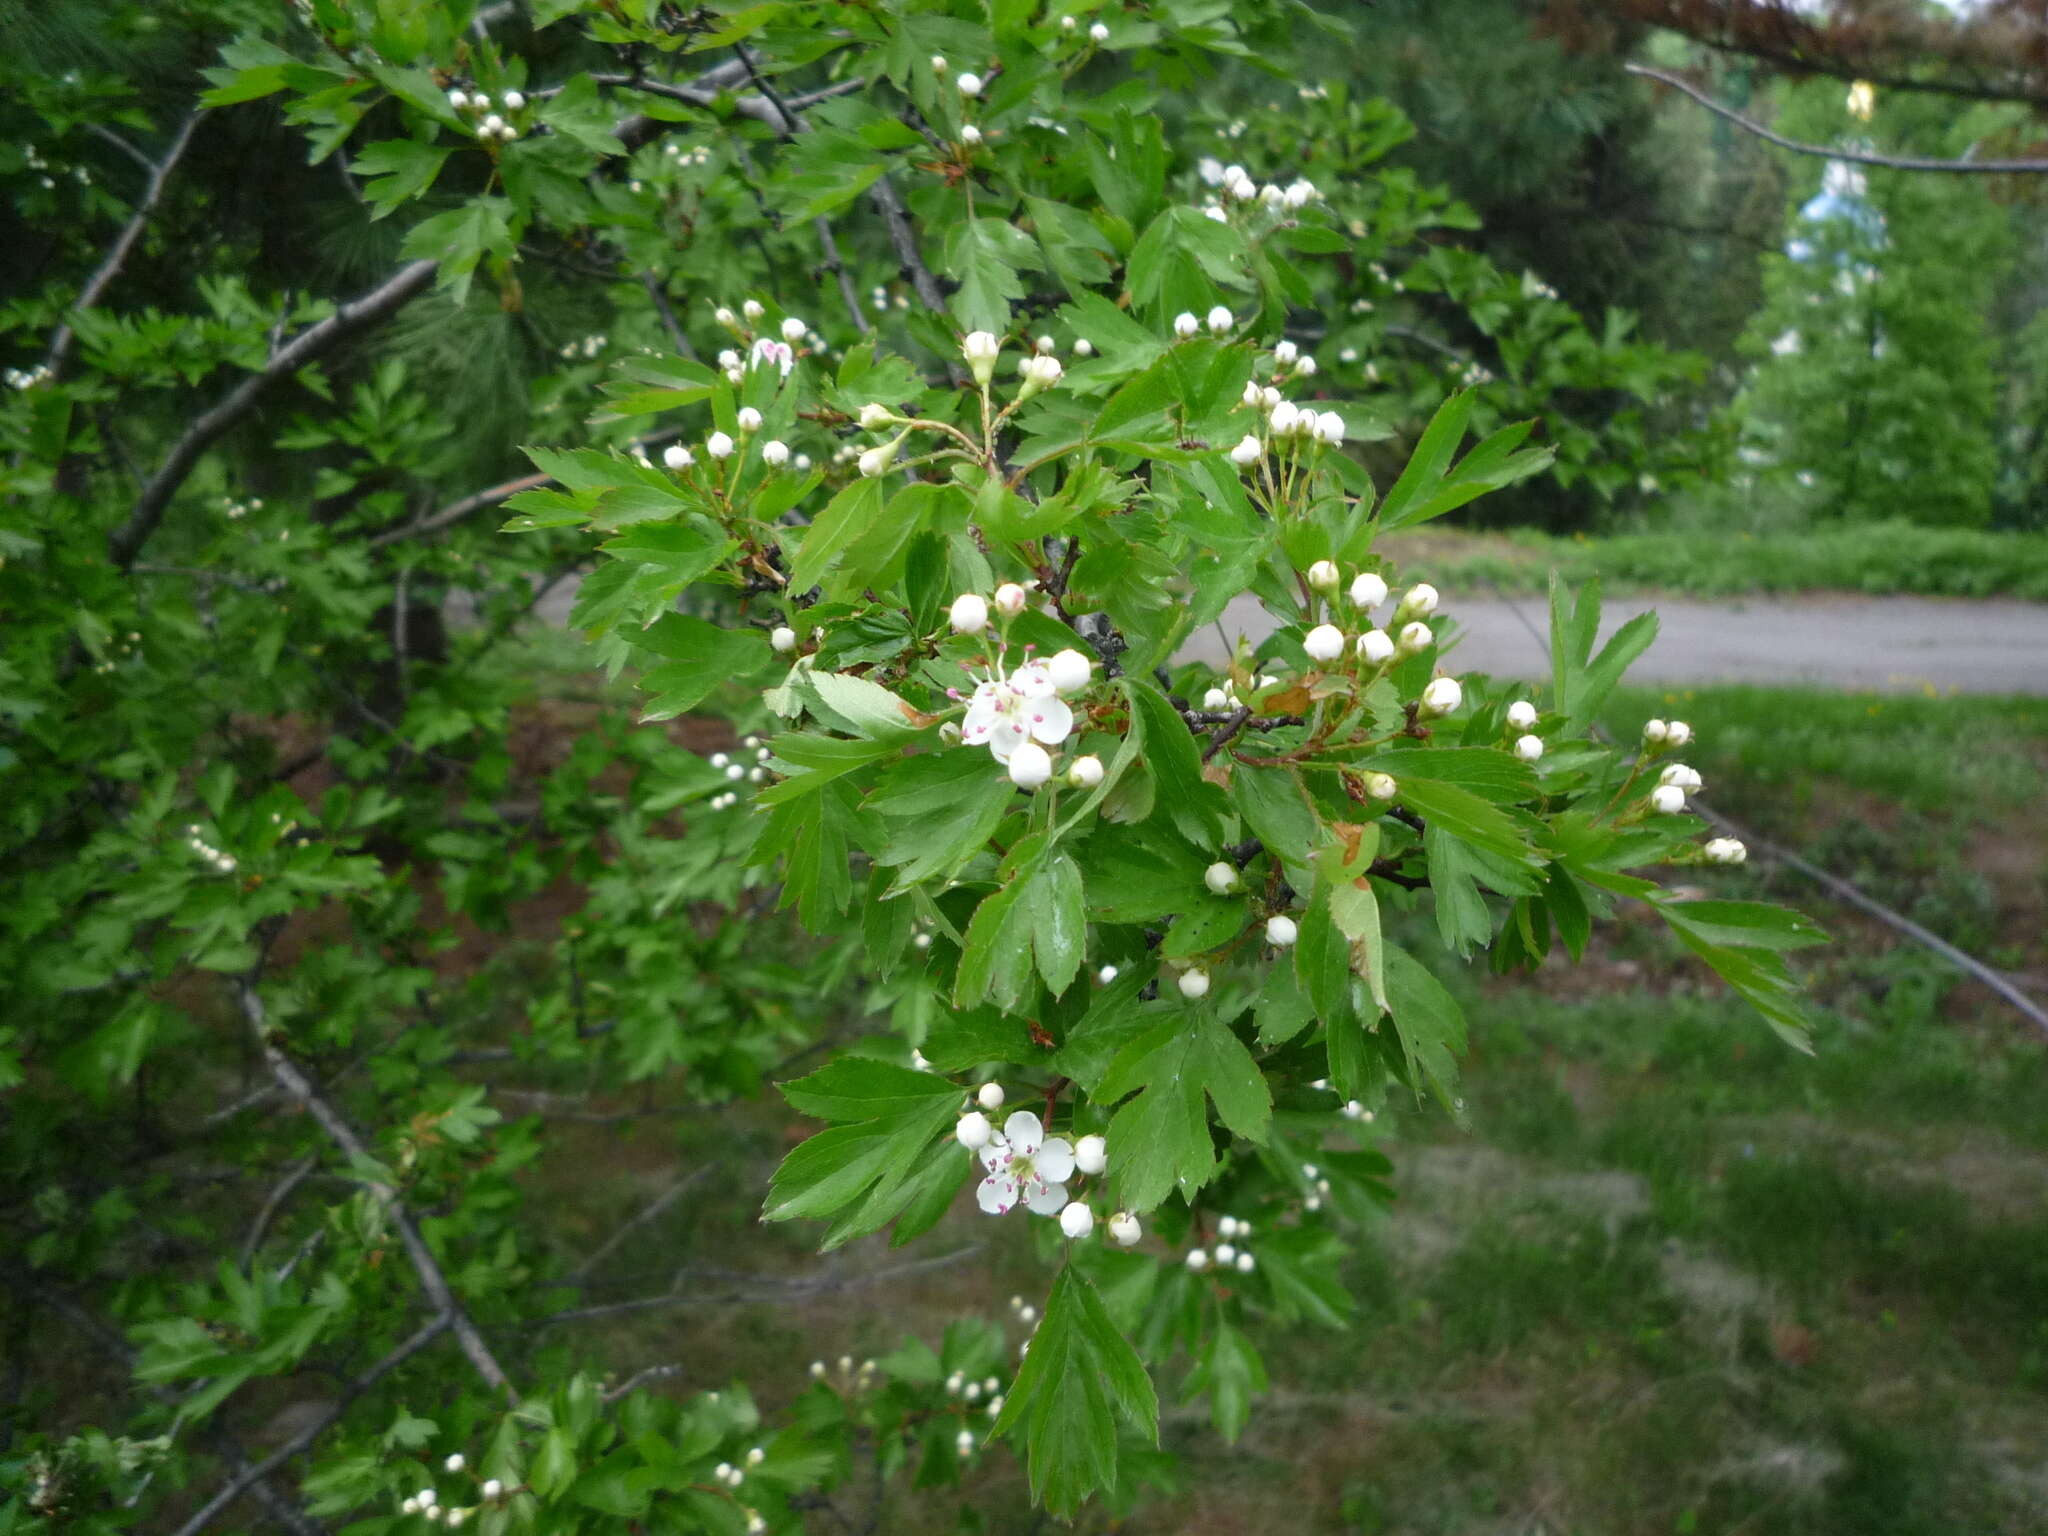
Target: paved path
1888,644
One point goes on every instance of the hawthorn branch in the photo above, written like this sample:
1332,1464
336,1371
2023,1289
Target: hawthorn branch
152,193
490,496
744,1289
1965,167
330,1120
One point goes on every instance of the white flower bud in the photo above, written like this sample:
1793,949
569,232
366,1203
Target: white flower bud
1307,366
939,64
1124,1230
1009,599
1197,1260
1085,772
969,613
1215,698
428,1498
515,101
749,419
1414,637
1246,1263
1368,590
1654,732
1194,984
1528,748
458,99
728,359
1185,324
1677,734
677,457
793,330
1521,714
1029,766
1226,1226
1284,418
1220,877
1226,1252
492,1488
782,638
970,85
972,1392
756,1456
1285,352
1281,931
1418,602
1221,320
980,348
1067,23
1381,786
718,445
752,309
876,461
455,1517
1677,773
964,1442
1083,347
1324,643
989,1096
1667,799
455,1462
1091,1154
1099,32
491,126
1726,850
409,1505
1070,671
1077,1220
969,134
724,316
1324,576
775,453
1376,646
874,416
921,941
1106,975
817,1370
973,1130
1247,452
1330,429
1442,696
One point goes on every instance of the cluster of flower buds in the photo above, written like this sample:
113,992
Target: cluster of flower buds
1661,734
1230,1253
851,1378
1674,782
1725,850
223,862
1314,1175
738,772
490,125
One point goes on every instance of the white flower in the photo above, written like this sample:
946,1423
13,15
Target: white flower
1324,643
1521,714
1281,931
1106,975
455,1462
1040,372
1381,786
718,445
876,461
1300,194
1285,352
1324,576
969,613
1284,418
1197,1260
1528,748
1272,195
1124,1230
1306,366
492,125
1216,698
939,64
752,309
1376,646
515,101
1667,799
1677,773
724,316
1009,600
1221,320
1247,451
428,1498
1246,1263
980,348
793,329
749,419
1677,734
1091,1154
1220,877
1414,637
1023,1164
1077,1220
969,134
782,638
1418,602
1226,1252
970,84
1194,984
1099,32
775,453
1083,347
1009,712
1070,671
1654,732
973,1130
1725,850
1442,696
1329,429
1368,590
1226,1226
1085,772
989,1096
677,457
1030,765
768,350
874,416
1185,323
492,1488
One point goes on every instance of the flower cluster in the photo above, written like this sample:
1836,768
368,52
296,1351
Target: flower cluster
737,772
1230,1253
490,126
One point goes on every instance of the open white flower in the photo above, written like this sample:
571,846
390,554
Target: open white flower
1006,712
1023,1164
776,354
1726,850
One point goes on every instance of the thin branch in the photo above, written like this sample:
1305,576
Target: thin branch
101,131
903,241
757,1288
354,315
152,194
837,267
647,1213
677,337
640,1379
343,1135
1963,167
294,1176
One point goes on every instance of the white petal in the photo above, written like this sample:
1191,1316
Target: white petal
1023,1132
1055,1160
995,1153
997,1194
1051,720
1033,680
1045,1199
1005,736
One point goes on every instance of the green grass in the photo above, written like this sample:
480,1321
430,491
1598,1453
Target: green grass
1893,557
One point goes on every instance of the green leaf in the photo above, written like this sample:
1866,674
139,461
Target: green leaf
1079,1377
402,168
861,1088
1192,803
698,657
943,808
1160,1141
846,518
1230,1373
1432,485
985,256
459,239
864,708
1429,1022
1743,924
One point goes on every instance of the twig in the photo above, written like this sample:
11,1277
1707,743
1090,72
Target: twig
1964,167
760,1288
676,336
343,1135
837,267
294,1176
1229,729
159,174
647,1213
903,241
354,315
639,1379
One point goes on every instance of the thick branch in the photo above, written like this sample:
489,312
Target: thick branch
1831,152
